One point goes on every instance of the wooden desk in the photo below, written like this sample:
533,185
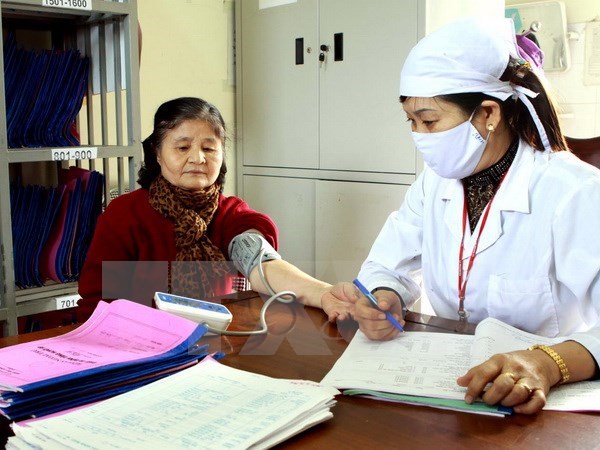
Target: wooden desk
302,344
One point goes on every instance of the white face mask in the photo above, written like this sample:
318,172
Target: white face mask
453,153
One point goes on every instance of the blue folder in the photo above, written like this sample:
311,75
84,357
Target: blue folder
59,393
44,91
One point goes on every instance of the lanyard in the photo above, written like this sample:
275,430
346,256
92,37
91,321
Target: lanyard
462,276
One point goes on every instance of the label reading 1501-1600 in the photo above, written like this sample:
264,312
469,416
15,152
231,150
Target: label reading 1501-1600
65,154
72,4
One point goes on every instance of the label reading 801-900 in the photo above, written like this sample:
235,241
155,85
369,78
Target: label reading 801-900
73,4
65,154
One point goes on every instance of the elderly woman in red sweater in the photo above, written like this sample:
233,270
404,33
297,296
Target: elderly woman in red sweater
179,233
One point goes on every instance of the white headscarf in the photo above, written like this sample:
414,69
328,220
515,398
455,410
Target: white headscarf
467,55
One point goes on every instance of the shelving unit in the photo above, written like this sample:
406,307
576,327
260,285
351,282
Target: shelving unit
108,120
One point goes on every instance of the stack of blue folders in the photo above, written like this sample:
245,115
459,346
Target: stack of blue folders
122,346
44,92
53,227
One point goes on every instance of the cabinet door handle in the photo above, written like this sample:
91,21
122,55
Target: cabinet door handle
299,51
338,47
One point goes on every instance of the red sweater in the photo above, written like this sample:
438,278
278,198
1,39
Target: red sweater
141,242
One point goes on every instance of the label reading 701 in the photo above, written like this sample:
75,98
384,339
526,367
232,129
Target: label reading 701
72,4
65,154
67,301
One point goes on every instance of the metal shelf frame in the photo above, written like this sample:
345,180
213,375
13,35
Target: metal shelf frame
111,125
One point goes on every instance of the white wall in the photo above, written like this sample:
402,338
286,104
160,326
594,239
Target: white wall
579,103
577,10
186,52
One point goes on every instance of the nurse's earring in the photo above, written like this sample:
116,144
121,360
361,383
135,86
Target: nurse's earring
490,128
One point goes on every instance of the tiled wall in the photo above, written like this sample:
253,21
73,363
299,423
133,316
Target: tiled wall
580,104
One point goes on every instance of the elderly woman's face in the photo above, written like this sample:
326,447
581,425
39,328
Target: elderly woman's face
191,155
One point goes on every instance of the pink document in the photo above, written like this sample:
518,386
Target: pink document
118,332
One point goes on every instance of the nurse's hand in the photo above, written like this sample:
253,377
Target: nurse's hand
373,322
520,379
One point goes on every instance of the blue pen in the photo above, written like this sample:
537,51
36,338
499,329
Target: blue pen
373,300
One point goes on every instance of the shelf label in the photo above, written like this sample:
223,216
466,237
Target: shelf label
67,301
71,4
65,154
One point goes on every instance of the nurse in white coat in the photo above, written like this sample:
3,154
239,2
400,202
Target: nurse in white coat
503,222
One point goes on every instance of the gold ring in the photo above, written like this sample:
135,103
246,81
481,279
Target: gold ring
511,375
529,390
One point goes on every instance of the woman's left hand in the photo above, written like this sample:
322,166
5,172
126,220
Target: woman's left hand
519,379
338,301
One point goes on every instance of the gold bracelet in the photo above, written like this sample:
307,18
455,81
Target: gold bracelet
564,371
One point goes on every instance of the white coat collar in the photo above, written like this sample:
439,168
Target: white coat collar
513,195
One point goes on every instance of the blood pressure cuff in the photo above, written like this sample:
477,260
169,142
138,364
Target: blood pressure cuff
247,250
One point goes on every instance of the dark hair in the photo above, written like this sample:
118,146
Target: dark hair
517,116
170,115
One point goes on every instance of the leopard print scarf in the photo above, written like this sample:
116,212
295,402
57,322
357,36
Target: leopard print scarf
191,212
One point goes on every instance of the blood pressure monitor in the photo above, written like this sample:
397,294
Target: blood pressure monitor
212,314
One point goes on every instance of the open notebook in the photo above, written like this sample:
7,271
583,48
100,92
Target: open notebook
422,368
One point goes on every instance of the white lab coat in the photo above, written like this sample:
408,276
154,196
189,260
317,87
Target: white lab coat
538,260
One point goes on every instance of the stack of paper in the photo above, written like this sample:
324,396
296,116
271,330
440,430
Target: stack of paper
422,368
206,406
415,368
123,345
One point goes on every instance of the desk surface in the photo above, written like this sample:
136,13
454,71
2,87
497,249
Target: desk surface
303,345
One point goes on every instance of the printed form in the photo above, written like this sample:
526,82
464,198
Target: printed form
209,405
119,332
428,364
